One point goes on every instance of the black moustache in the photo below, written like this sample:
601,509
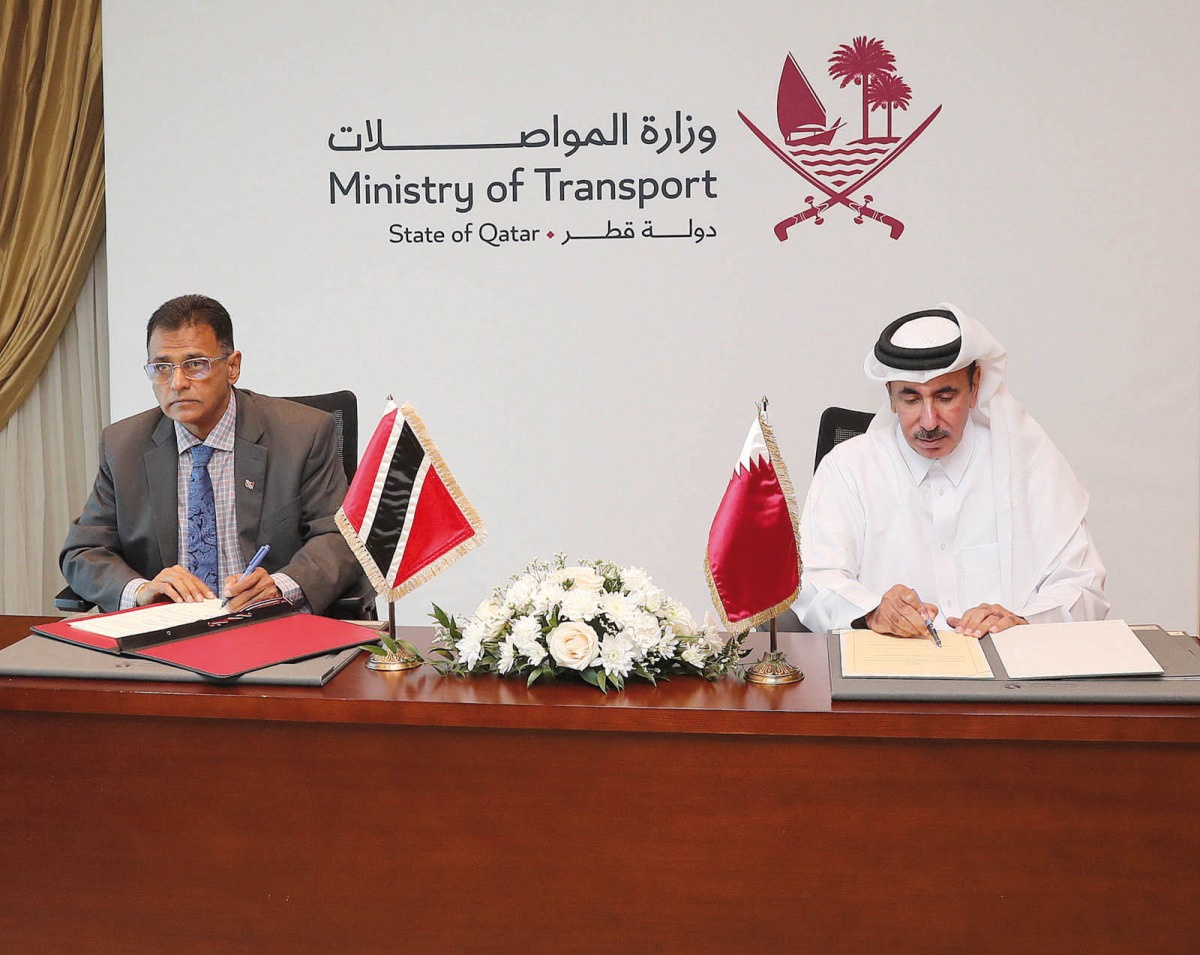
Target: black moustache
936,435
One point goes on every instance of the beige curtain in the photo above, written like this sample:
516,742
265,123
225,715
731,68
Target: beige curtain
51,179
48,452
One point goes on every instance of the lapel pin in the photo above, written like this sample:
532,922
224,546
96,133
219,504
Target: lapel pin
250,484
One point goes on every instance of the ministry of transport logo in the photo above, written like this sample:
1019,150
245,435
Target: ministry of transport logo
840,171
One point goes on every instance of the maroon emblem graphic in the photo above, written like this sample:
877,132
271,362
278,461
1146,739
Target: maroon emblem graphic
808,149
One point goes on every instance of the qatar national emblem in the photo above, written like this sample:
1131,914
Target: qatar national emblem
839,172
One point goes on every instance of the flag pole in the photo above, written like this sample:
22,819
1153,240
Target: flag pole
773,669
398,657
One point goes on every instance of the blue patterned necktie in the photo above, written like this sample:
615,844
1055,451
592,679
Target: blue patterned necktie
202,519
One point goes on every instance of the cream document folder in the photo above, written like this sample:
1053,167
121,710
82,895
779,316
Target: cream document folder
869,654
1044,651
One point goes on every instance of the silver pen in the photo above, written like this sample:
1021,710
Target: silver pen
929,624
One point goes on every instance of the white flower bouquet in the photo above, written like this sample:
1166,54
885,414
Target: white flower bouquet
595,620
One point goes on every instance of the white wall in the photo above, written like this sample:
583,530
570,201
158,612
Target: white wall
593,396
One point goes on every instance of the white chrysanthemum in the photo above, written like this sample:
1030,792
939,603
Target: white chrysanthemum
525,630
635,578
712,643
617,606
581,578
580,605
667,645
535,652
475,630
695,654
507,656
644,631
520,594
549,595
617,655
470,649
653,599
681,619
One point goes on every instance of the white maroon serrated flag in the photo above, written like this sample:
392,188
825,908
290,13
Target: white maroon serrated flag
405,517
753,558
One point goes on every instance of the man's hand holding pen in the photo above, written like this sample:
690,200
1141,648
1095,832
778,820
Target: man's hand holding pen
249,589
253,585
902,613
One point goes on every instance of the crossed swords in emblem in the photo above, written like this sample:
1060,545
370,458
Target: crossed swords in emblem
836,196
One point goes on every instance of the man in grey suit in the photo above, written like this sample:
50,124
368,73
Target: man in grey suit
273,478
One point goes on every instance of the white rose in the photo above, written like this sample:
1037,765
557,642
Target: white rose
492,615
582,578
573,645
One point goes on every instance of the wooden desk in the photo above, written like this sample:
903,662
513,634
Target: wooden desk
405,812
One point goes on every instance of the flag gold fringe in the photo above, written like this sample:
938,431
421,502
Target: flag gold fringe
741,626
427,573
789,495
785,484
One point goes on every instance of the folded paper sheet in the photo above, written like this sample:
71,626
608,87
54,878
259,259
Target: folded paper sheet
1056,650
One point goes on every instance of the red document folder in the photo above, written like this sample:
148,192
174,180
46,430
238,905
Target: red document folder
225,647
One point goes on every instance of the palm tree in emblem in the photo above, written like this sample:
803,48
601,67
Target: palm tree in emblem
860,62
891,92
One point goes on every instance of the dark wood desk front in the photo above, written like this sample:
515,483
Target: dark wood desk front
406,812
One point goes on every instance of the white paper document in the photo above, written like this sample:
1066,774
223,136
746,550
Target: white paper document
869,654
149,619
1044,651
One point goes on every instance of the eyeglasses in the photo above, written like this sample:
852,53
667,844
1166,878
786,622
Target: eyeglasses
195,369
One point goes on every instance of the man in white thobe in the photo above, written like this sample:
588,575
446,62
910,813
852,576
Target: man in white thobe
954,508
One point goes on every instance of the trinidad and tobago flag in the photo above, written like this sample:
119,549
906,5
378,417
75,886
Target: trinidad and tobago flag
405,517
753,558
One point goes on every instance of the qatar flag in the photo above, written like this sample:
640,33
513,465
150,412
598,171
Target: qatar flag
753,558
405,517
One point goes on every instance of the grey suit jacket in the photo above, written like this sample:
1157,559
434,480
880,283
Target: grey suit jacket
289,484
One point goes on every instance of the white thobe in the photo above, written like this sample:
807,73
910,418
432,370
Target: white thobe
879,514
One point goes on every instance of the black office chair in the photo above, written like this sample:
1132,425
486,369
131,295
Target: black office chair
343,406
838,424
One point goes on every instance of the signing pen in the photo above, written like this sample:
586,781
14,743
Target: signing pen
929,626
250,568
